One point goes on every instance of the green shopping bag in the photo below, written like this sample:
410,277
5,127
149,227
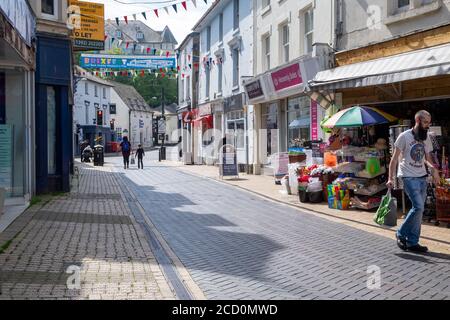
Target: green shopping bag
387,212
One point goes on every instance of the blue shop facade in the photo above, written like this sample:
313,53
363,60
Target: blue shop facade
54,158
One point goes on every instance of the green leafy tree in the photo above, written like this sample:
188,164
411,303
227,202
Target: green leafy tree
149,87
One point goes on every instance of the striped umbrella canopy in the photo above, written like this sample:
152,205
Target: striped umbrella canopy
359,117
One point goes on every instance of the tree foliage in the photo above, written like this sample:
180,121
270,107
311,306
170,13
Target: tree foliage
150,88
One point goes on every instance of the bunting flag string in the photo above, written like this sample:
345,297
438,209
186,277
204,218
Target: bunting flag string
166,9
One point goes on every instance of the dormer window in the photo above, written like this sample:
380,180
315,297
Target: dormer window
140,35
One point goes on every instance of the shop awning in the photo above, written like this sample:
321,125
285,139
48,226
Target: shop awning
300,123
418,64
208,120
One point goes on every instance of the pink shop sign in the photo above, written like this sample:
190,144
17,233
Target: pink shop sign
287,77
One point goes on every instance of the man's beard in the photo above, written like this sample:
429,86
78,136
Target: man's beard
423,133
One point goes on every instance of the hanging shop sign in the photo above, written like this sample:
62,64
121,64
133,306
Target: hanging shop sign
234,103
97,61
287,77
314,120
87,21
254,90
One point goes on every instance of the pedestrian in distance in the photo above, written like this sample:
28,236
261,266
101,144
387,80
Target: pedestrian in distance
140,154
125,147
82,147
413,154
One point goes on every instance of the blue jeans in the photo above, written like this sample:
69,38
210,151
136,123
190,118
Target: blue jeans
416,189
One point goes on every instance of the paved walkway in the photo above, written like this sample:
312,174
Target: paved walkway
90,232
436,238
237,245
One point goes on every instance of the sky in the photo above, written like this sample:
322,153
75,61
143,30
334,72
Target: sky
180,23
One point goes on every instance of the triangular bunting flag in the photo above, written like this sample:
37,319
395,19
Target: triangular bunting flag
189,57
174,6
156,75
145,15
134,16
166,9
163,75
120,42
167,54
128,44
156,12
148,50
178,68
190,66
116,73
161,70
117,21
134,47
194,2
142,49
112,40
106,37
142,73
184,5
126,19
206,1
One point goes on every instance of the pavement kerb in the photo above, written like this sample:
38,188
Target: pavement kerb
434,244
186,278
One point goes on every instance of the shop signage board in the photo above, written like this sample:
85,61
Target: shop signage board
204,110
87,20
229,165
99,61
314,120
233,103
287,77
281,164
6,164
254,89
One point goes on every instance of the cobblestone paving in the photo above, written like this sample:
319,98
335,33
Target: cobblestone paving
92,230
239,246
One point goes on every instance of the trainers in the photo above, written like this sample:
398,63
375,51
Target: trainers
401,243
418,248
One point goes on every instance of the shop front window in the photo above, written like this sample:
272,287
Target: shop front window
299,121
12,132
270,124
236,129
51,129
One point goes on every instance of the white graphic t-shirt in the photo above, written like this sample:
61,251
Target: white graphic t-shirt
412,164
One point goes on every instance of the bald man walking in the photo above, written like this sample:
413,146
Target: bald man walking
412,155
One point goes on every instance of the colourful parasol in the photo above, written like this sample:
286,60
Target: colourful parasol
359,117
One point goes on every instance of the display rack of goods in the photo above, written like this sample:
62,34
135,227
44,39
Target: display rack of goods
443,203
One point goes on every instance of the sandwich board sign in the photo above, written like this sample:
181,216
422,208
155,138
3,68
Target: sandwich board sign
229,165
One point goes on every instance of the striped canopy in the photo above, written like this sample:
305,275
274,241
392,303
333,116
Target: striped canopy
359,117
